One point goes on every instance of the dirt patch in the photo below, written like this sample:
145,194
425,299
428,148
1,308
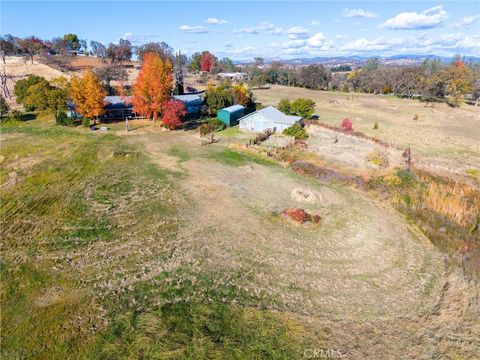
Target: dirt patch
351,151
304,195
327,175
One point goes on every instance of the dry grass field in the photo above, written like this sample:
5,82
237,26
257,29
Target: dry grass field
443,140
126,244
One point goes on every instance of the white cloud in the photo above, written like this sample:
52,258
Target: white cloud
294,44
249,30
215,21
446,44
315,22
467,21
358,13
138,38
427,19
317,40
266,26
275,31
242,51
270,28
194,29
297,32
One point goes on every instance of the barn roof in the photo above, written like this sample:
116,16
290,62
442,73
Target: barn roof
188,97
276,116
233,108
117,102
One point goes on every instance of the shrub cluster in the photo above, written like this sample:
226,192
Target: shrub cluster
301,107
210,126
297,131
63,119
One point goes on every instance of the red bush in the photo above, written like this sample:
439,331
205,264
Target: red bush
173,111
346,124
296,214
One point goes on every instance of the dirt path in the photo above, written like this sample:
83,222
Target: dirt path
375,286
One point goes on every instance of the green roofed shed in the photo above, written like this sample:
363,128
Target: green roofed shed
230,115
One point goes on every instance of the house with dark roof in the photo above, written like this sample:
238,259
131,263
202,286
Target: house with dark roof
193,102
268,118
120,107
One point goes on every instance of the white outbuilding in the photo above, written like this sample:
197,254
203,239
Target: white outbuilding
268,118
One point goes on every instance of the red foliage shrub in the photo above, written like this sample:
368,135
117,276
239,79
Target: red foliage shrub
296,214
300,215
173,111
346,125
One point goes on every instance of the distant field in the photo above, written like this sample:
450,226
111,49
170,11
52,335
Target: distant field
443,139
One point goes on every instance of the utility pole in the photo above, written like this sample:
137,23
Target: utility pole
126,124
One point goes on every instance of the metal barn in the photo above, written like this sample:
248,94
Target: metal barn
193,102
230,115
268,118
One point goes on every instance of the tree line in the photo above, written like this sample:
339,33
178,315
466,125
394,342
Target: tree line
430,81
71,44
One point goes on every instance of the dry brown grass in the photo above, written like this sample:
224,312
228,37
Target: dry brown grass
443,140
458,201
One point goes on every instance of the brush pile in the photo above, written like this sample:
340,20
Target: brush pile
300,216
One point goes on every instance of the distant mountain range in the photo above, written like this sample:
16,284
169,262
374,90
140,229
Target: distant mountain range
396,60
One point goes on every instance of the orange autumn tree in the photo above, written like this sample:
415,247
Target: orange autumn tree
88,95
153,87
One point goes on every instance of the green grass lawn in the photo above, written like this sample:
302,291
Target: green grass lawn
74,221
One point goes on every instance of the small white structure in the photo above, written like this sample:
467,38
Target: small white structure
267,118
233,76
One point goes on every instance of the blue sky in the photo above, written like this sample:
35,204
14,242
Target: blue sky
241,30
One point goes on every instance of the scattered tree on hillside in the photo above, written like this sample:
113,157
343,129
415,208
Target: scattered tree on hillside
195,62
31,46
8,46
36,97
314,77
258,61
98,49
224,65
173,111
21,87
110,73
371,64
36,93
88,95
4,108
164,50
119,52
206,61
71,41
153,86
256,77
